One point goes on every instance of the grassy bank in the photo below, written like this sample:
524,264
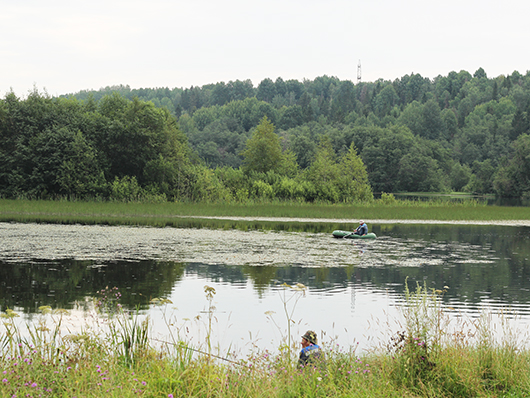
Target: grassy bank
425,359
158,214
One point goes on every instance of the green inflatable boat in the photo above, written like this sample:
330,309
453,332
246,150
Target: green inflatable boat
351,235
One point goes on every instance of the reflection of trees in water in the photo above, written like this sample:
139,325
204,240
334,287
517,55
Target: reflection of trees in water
478,261
505,276
61,283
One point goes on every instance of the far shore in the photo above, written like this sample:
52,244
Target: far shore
508,223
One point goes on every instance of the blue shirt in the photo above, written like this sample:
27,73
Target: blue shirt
362,229
310,354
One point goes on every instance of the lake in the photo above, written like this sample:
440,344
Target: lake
354,288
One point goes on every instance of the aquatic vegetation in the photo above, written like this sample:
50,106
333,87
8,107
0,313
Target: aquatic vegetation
187,214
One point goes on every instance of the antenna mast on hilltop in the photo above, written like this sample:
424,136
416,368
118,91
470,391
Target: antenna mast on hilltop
359,72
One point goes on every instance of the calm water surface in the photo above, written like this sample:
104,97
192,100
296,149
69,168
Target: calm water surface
354,288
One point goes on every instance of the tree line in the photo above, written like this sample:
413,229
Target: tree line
459,132
120,149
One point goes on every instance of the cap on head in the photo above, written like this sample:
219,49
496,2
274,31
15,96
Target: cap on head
310,336
361,222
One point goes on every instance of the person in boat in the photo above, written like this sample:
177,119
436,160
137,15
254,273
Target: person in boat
362,229
311,353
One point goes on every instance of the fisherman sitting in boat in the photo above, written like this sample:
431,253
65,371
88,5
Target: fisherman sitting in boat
362,229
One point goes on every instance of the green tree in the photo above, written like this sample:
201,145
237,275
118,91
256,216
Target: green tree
513,178
412,117
382,152
324,173
481,181
460,176
266,90
353,181
520,124
419,172
263,151
385,101
449,123
291,116
432,122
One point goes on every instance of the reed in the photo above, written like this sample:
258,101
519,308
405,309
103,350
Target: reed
173,213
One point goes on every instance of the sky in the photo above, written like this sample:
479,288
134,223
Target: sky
64,46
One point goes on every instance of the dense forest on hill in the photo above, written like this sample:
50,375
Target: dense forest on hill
322,139
459,132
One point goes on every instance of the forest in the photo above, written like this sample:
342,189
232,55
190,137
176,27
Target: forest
325,139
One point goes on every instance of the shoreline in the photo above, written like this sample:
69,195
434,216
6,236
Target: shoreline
506,223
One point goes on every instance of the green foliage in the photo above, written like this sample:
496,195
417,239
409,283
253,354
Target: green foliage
261,190
513,179
206,187
460,176
290,189
263,152
117,357
481,181
125,189
115,148
388,198
461,118
353,181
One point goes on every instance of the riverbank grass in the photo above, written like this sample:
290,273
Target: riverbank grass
427,358
169,213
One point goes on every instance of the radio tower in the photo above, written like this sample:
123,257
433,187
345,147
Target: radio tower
359,72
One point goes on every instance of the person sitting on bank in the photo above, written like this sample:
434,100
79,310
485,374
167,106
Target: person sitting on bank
362,229
311,353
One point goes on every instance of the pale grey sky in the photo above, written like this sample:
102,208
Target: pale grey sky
63,46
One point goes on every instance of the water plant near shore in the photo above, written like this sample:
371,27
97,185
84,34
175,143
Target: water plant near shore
182,214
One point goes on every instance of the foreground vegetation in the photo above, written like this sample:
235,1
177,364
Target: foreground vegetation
168,214
427,357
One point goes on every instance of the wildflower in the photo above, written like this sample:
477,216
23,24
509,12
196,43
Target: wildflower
169,395
144,383
4,380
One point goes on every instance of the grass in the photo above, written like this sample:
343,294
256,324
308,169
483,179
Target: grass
172,214
427,358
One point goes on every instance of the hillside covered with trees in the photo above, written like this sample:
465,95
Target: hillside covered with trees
318,140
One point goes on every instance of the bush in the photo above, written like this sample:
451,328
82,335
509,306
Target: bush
261,190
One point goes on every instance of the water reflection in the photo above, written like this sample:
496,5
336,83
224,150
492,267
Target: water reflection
65,283
349,282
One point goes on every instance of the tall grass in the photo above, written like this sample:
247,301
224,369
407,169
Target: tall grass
167,213
427,358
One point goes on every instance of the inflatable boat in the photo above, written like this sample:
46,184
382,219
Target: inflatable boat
351,235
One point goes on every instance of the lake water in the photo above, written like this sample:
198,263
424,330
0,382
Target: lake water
354,288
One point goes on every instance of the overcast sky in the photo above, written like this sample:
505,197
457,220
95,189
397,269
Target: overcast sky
65,46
